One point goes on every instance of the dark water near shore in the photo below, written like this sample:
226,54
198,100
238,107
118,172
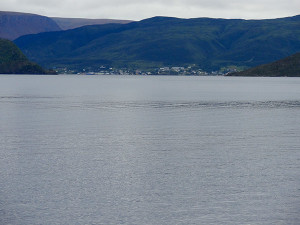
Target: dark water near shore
149,150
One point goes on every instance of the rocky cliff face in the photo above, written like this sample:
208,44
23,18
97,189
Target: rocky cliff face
14,25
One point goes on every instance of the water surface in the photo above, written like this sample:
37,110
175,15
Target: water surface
149,150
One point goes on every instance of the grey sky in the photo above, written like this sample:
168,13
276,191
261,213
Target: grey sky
140,9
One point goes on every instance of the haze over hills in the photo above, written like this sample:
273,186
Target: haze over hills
289,67
164,41
13,61
71,23
14,24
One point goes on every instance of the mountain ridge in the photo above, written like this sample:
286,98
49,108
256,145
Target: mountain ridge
167,41
16,24
72,23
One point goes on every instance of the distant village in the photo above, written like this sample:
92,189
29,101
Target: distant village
176,70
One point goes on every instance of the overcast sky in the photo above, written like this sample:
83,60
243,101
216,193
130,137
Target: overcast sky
141,9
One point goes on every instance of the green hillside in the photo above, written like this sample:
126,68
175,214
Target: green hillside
163,41
13,61
287,67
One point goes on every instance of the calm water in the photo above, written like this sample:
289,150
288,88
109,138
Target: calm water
149,150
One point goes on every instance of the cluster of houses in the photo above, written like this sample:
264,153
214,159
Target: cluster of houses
176,70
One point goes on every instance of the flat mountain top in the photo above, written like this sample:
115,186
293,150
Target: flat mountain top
71,23
14,24
17,24
287,67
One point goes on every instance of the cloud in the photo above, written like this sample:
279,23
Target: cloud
140,9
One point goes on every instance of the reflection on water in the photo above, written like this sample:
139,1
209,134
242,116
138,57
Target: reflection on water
188,105
87,104
149,150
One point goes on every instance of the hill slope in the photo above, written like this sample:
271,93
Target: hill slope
164,41
288,67
14,25
13,61
72,23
